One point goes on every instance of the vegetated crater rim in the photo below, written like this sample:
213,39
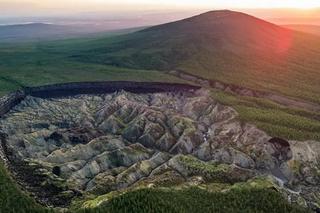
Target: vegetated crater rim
127,144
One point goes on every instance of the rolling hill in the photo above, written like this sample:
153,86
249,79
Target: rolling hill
228,46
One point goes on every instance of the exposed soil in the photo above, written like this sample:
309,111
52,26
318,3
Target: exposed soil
60,148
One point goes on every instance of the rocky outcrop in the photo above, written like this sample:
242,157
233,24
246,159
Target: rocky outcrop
114,141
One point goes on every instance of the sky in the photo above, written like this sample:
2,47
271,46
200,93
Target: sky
29,7
306,9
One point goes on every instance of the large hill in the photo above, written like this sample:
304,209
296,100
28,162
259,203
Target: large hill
223,45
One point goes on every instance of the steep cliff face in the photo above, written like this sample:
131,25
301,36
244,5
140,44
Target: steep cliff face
63,147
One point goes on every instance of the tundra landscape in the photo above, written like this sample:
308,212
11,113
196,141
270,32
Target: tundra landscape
218,112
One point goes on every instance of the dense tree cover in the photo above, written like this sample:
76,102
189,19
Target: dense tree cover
276,120
197,200
13,200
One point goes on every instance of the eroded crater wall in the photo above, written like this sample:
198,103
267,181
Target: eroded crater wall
97,138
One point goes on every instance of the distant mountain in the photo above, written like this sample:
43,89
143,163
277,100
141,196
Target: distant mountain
229,46
313,29
35,31
41,31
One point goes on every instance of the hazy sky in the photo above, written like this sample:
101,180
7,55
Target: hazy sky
40,7
21,11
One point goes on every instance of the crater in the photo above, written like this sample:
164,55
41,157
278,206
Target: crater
63,147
